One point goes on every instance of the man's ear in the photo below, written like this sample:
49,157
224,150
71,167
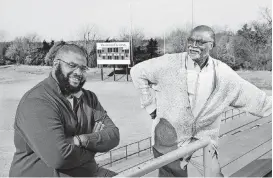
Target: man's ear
211,46
55,63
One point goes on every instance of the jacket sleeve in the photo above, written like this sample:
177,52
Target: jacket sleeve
144,75
248,97
107,138
41,126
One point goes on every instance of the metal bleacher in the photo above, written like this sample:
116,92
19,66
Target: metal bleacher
244,141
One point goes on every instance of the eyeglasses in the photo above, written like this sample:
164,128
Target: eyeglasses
197,42
74,66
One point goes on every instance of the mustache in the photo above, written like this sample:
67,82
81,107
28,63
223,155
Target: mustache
79,77
194,49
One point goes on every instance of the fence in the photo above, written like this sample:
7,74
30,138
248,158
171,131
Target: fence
231,114
136,148
124,152
172,156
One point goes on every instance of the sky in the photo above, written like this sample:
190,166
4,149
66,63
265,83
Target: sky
65,19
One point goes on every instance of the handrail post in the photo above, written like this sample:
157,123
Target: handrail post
207,160
110,158
138,147
150,141
126,151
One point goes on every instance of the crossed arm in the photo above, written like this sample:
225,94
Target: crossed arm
39,123
104,136
76,140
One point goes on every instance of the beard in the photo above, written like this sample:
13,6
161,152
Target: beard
198,55
64,84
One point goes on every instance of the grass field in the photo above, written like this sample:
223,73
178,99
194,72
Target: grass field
262,79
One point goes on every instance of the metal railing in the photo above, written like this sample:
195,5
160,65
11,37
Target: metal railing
126,151
172,156
231,114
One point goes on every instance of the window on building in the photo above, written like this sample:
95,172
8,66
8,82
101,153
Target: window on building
127,51
126,55
122,57
109,57
109,50
103,57
116,57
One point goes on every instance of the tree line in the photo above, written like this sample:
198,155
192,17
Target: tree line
248,48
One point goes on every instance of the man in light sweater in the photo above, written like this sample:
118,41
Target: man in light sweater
185,94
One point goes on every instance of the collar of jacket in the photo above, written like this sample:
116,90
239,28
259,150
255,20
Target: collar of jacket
207,62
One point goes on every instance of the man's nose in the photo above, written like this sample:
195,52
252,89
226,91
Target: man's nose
194,44
78,71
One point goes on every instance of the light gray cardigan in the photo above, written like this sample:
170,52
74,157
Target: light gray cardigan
162,83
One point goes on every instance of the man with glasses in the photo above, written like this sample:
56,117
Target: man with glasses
186,93
59,126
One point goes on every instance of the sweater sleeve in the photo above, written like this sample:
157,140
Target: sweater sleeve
107,138
144,75
249,97
41,126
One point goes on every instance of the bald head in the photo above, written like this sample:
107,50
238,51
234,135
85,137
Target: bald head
70,48
60,48
203,28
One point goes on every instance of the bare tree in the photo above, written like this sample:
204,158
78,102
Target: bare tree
138,42
266,14
32,37
3,35
30,41
137,36
15,51
87,38
22,47
176,41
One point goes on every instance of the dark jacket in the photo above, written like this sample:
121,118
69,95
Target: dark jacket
44,123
